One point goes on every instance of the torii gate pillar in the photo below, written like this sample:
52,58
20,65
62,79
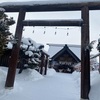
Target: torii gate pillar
85,55
15,51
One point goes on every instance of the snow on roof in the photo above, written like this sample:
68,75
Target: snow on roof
54,48
42,2
2,9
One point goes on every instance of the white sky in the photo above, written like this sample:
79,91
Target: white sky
61,36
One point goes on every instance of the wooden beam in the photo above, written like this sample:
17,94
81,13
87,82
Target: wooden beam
85,55
15,51
52,22
43,6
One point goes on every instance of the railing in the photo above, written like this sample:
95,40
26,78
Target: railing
95,55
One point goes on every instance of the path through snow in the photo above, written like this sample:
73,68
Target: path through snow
59,86
62,87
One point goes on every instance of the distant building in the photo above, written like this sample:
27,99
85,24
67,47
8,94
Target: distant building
64,57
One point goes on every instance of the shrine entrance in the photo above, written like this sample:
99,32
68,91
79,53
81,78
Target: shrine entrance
43,6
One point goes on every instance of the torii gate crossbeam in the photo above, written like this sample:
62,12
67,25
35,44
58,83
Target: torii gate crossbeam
72,22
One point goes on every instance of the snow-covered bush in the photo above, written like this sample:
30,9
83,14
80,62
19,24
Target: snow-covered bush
30,53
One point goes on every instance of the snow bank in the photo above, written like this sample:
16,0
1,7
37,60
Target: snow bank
50,72
95,86
3,91
76,76
29,74
24,83
2,78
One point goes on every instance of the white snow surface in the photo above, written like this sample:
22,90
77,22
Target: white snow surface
31,85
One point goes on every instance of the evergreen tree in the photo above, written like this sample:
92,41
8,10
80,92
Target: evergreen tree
5,22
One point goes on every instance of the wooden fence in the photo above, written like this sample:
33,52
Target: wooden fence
4,61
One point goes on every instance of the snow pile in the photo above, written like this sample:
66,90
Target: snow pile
29,74
3,91
2,78
50,72
30,84
76,76
95,86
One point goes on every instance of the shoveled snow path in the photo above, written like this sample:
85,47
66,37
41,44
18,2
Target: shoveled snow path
60,86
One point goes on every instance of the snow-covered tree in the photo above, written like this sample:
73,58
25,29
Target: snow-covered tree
30,58
5,22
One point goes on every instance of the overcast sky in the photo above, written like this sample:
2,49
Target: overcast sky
69,35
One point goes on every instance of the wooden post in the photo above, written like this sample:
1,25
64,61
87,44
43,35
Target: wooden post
15,51
85,55
46,65
42,63
99,62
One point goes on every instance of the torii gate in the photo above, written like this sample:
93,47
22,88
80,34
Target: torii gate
44,6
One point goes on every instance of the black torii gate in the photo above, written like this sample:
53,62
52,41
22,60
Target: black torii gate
84,23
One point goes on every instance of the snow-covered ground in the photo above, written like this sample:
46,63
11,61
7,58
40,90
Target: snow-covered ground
30,85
